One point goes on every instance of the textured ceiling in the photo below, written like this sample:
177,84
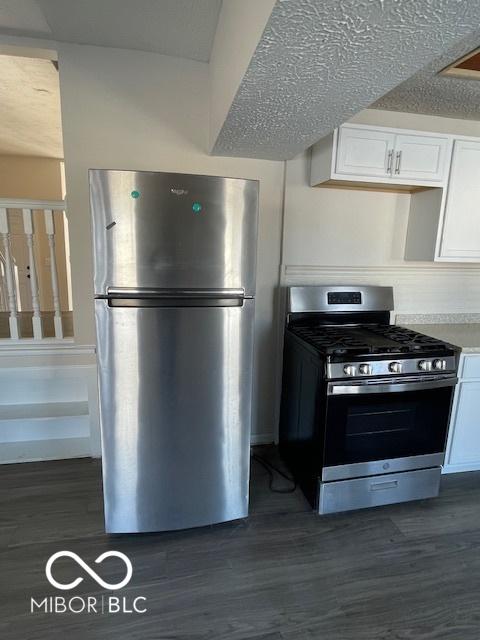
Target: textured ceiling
321,61
183,28
30,122
426,92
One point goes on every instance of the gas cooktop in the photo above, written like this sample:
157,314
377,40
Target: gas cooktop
367,339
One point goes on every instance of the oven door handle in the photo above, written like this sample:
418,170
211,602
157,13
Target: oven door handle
335,389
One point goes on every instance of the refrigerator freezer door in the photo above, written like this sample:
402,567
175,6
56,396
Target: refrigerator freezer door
169,230
175,389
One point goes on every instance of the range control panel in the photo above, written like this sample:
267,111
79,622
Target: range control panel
344,297
447,364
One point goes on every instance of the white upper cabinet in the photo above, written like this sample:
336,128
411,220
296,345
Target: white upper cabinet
419,158
444,224
364,152
442,173
460,233
381,157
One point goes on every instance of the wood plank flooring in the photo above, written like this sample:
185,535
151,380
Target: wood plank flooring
401,572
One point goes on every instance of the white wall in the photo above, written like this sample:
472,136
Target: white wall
32,178
344,235
340,226
134,110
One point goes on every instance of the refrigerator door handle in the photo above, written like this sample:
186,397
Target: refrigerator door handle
177,294
175,302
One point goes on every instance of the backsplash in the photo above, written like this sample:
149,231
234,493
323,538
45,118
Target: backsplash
437,318
420,289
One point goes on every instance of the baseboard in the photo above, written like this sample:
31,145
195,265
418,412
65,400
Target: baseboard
40,450
11,453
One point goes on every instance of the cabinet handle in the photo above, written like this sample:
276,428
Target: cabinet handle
389,161
398,161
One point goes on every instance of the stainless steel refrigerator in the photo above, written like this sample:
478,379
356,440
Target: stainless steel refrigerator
174,259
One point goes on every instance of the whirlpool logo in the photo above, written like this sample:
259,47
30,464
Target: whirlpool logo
88,604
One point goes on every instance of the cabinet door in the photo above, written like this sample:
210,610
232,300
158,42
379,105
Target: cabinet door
420,158
464,445
460,238
364,152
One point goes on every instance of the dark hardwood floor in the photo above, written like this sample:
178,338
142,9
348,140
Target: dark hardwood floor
402,572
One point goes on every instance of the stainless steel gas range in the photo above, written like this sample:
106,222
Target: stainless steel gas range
365,403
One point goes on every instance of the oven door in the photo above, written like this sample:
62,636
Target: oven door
385,426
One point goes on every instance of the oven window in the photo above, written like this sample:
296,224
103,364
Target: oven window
362,428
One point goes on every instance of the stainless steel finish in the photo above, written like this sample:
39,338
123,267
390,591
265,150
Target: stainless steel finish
378,467
365,369
440,364
129,292
398,160
425,365
159,241
336,370
359,493
175,402
389,386
315,298
174,286
131,297
349,370
175,302
389,161
395,367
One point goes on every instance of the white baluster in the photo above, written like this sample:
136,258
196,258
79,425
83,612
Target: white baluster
13,318
50,229
37,318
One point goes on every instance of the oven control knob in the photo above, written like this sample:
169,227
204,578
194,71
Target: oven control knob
395,367
425,365
439,364
349,370
365,369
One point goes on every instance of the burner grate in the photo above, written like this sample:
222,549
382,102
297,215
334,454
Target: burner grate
367,339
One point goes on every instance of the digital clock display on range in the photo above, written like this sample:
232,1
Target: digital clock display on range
344,297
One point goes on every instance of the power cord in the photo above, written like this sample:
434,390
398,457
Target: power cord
270,468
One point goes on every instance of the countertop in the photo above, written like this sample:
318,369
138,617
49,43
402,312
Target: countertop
463,335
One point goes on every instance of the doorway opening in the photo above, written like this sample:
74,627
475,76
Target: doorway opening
35,280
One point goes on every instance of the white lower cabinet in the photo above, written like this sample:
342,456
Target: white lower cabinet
463,443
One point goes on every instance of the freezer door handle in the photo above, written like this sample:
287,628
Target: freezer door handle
175,302
142,292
